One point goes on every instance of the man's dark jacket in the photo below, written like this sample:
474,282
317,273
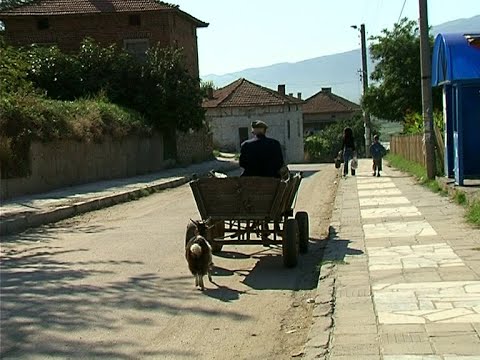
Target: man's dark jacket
261,156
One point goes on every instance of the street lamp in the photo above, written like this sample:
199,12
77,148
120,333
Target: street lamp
366,115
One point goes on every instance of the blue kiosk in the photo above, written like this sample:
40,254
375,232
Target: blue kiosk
456,67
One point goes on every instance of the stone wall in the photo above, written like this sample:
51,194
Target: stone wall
65,163
194,146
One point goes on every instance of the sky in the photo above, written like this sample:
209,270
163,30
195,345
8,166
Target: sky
254,33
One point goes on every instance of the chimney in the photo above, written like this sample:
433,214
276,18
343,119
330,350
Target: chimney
210,92
299,95
281,89
290,94
326,89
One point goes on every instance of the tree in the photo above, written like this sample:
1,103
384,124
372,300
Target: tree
396,88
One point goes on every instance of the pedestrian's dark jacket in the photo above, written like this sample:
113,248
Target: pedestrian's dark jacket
348,143
377,151
261,156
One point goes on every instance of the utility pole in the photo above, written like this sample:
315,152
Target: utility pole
366,115
427,102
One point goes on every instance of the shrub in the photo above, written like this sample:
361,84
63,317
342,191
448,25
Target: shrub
413,123
161,88
324,145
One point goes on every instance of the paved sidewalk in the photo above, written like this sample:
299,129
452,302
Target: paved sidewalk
19,214
401,275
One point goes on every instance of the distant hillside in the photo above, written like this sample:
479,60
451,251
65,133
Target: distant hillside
461,25
338,71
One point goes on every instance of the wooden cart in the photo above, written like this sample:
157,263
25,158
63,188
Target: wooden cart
253,210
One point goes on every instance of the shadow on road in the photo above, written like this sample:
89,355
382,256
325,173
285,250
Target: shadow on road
51,231
48,305
269,273
339,248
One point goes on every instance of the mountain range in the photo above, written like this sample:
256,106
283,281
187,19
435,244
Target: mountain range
339,71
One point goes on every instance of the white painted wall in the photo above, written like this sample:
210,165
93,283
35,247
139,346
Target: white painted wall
224,124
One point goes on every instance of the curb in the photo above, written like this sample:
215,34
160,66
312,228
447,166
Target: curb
20,224
319,335
449,186
318,339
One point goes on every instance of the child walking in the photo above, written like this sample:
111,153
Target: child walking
377,151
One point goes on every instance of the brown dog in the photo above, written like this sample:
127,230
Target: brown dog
198,253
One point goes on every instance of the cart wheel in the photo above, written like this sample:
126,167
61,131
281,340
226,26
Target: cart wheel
290,243
303,231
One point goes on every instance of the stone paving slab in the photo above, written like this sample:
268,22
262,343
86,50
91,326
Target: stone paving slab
445,302
384,200
417,265
413,257
390,212
393,229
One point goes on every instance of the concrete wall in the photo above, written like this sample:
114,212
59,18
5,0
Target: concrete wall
225,124
65,163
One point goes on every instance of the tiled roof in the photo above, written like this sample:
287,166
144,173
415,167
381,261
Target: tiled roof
70,7
327,102
245,93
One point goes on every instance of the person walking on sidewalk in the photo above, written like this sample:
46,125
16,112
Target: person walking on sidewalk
348,147
377,151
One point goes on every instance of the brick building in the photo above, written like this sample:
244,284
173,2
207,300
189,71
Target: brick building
231,109
131,24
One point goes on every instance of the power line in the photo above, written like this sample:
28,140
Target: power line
401,11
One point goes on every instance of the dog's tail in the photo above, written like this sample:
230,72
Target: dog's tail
196,250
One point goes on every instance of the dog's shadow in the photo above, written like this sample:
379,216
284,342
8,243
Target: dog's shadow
223,293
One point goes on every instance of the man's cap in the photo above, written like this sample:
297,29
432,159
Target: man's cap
259,124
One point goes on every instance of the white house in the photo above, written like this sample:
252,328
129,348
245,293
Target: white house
231,109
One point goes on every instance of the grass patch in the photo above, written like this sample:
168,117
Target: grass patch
417,170
460,198
472,214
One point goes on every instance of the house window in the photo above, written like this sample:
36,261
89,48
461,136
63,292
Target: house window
288,129
298,128
134,20
137,47
43,24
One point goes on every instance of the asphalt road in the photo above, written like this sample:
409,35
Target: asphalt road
114,284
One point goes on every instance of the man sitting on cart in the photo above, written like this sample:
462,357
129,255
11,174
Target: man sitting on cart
261,156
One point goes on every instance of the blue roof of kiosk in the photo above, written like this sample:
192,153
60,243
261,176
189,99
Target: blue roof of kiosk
456,58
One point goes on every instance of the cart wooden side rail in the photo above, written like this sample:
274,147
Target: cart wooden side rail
253,210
